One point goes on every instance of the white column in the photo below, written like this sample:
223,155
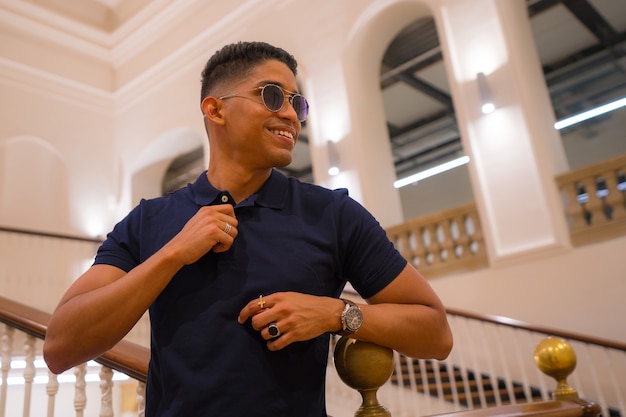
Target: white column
515,151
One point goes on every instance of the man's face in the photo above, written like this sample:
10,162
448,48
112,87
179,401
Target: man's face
257,137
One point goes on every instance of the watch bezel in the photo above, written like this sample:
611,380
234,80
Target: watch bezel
350,311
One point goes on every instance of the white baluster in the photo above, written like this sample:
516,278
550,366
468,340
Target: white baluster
7,348
80,396
29,371
52,388
141,399
106,392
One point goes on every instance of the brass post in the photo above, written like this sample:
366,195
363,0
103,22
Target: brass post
557,359
365,367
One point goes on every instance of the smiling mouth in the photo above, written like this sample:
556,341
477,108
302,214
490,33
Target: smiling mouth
283,133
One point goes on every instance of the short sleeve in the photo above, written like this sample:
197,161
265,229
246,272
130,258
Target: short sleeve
370,260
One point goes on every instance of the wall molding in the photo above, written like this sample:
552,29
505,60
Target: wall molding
52,85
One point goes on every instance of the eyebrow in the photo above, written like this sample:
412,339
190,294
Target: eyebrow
278,83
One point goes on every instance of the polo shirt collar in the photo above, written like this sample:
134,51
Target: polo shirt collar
272,194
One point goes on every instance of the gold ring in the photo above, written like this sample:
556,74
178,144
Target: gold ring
261,302
227,228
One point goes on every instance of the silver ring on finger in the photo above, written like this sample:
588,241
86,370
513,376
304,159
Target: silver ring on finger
227,228
273,330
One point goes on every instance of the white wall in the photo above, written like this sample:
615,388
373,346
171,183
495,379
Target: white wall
579,290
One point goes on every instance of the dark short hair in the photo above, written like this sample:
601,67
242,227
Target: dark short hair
235,61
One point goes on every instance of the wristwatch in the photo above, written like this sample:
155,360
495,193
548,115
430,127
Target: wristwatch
351,318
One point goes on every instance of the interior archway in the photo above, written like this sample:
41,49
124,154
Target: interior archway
151,166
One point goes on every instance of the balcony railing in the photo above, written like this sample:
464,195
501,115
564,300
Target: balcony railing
595,200
442,242
452,240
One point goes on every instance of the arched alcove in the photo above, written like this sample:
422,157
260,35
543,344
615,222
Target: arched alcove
420,115
365,47
33,185
152,163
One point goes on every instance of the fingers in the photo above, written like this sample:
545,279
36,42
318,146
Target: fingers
211,228
253,307
221,225
286,317
225,242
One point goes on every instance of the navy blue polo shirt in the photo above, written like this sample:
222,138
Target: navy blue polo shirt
292,236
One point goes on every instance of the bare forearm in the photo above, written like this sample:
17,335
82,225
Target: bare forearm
408,317
417,331
86,324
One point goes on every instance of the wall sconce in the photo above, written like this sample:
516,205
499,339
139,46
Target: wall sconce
333,159
485,94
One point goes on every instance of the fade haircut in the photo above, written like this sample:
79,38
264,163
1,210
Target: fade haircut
237,60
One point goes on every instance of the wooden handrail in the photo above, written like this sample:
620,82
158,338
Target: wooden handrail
24,318
572,408
127,357
518,324
506,321
49,234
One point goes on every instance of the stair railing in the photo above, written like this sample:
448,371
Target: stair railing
491,365
400,394
28,325
365,366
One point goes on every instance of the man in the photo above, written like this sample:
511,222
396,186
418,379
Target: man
242,270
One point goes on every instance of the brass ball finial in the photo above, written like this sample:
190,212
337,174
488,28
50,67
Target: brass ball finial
365,367
557,359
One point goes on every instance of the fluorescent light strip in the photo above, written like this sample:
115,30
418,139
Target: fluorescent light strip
561,124
569,121
431,171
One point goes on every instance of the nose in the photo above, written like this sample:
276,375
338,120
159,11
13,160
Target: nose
288,111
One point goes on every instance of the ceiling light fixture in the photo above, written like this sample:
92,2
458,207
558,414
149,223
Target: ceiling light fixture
589,114
431,172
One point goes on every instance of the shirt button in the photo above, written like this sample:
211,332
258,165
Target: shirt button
224,198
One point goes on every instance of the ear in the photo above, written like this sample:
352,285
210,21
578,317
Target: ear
213,110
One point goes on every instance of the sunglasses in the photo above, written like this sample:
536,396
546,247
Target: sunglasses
273,97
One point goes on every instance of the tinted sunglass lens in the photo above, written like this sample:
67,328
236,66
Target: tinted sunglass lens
273,97
301,107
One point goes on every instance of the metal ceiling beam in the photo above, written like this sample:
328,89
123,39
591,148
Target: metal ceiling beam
427,89
410,65
589,16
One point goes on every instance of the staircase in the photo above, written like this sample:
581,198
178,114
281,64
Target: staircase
470,389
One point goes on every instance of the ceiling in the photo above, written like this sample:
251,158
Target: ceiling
581,46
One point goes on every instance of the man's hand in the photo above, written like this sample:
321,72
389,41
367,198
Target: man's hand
298,317
211,228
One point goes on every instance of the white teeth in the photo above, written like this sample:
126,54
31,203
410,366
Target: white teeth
283,133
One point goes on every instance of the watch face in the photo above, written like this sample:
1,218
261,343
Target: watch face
354,318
